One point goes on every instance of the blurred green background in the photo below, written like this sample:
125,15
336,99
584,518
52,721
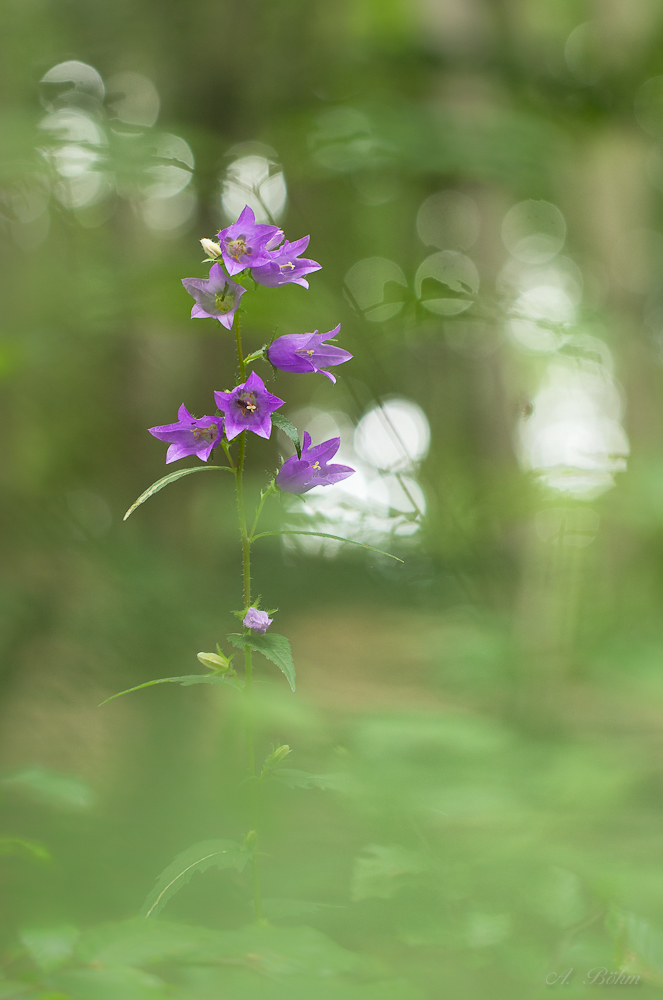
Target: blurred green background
482,182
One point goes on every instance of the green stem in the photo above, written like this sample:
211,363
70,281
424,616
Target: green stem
240,356
248,663
226,448
263,497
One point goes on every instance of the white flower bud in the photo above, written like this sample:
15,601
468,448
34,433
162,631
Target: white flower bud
211,248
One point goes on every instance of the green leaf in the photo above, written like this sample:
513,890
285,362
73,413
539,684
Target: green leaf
288,428
198,858
110,984
185,681
144,942
337,538
263,949
384,870
275,647
277,908
50,788
18,847
302,779
159,485
51,947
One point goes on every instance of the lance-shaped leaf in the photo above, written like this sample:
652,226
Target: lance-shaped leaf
185,681
200,857
337,538
170,478
288,428
275,647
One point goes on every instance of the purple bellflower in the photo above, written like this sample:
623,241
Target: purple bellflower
245,243
307,352
299,475
216,297
190,435
248,407
259,621
284,266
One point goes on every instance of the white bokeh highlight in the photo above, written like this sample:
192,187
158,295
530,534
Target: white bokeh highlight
573,437
255,180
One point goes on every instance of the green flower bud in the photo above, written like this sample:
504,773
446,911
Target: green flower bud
213,661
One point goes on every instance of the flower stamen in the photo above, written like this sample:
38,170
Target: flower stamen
223,302
208,433
238,248
247,403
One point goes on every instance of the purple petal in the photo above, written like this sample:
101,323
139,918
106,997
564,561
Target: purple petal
177,451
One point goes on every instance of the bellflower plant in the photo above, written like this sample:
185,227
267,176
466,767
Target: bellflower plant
284,267
217,297
307,352
190,435
246,246
299,475
248,407
258,621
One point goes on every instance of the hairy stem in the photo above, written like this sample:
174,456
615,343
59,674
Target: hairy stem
248,663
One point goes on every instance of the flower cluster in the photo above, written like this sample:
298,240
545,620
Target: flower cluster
261,252
246,246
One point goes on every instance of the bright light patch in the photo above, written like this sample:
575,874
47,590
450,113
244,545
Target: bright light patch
394,436
574,438
171,178
374,285
133,100
257,181
534,231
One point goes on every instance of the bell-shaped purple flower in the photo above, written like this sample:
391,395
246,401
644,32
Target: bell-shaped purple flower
299,475
244,244
258,621
307,352
285,266
248,407
216,297
190,435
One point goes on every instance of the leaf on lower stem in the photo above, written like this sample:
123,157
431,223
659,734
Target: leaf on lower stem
288,428
159,485
275,647
185,681
200,857
337,538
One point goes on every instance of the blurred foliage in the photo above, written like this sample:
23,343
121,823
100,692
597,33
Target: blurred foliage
473,803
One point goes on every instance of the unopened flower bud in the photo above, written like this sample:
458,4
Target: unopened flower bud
220,664
211,248
277,755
